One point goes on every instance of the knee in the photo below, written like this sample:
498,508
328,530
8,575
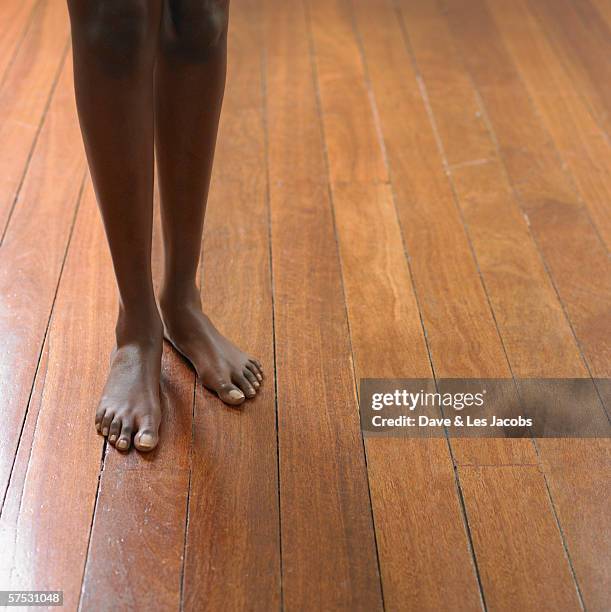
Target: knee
115,34
194,29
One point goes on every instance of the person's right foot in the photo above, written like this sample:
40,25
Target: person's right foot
130,404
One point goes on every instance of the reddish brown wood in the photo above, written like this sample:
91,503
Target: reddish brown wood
31,259
15,16
517,575
25,94
328,550
52,532
572,249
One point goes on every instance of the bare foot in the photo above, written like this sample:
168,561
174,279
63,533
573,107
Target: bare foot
220,365
130,404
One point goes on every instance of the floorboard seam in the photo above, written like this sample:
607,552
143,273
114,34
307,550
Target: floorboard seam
188,501
265,116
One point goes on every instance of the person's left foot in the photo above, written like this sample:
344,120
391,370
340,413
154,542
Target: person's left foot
220,365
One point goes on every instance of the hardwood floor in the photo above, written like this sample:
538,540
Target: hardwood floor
410,189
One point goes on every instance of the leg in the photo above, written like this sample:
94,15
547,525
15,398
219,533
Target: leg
189,84
114,46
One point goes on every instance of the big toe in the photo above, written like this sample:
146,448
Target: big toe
230,394
147,436
146,440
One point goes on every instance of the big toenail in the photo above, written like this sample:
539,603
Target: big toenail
235,394
146,440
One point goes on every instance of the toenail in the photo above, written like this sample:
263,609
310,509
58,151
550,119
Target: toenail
113,438
105,431
122,444
146,440
257,385
235,394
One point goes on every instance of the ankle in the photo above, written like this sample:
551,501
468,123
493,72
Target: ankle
143,327
174,300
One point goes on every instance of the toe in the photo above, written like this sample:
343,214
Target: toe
146,440
255,369
241,381
125,438
252,379
114,430
146,437
230,394
106,421
99,415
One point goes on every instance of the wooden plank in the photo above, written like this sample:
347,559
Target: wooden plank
525,577
419,526
31,259
582,144
15,16
25,94
387,337
351,135
50,553
233,541
328,550
575,256
9,515
136,552
582,40
581,496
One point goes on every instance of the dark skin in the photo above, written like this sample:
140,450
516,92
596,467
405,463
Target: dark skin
151,73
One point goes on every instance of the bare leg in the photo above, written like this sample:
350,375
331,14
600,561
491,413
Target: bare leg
114,46
189,84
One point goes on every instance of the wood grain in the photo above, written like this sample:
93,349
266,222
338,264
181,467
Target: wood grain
15,16
516,574
510,271
25,94
328,550
31,259
583,146
49,551
583,40
502,275
386,337
575,256
581,495
136,548
9,515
